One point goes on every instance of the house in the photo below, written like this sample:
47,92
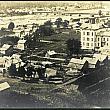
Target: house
102,58
105,38
78,65
7,61
21,44
4,86
50,72
15,59
6,49
4,63
94,63
50,53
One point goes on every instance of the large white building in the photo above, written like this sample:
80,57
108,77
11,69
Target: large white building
95,38
94,35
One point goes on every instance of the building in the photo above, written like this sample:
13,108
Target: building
94,63
4,63
50,53
93,34
78,65
102,58
6,49
21,44
50,72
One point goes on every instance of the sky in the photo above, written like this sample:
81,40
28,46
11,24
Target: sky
104,2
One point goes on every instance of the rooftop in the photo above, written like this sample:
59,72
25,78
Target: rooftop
5,47
100,57
91,60
50,72
76,63
21,41
91,26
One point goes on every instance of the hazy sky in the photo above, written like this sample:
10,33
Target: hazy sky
104,2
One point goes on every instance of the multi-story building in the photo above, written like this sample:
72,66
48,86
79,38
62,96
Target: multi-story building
94,35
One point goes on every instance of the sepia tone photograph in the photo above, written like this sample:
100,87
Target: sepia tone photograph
54,54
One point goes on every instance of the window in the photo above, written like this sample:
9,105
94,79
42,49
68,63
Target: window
87,39
98,39
92,33
107,44
83,43
83,33
91,39
91,44
104,39
107,39
98,44
87,33
87,44
83,38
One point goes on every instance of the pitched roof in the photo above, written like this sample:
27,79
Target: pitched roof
21,41
76,63
51,52
50,72
46,62
92,26
5,47
91,60
100,57
15,56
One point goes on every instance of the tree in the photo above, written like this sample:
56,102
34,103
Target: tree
11,26
77,46
100,12
21,72
73,46
12,70
45,30
11,40
48,23
41,72
58,22
30,71
65,23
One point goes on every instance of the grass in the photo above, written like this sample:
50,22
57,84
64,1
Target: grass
59,41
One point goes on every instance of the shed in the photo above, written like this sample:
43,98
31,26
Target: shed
50,53
50,72
21,44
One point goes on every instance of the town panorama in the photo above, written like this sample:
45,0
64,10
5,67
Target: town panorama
54,54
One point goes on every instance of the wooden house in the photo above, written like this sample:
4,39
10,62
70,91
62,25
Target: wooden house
78,66
94,63
50,72
50,53
21,44
102,58
6,49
